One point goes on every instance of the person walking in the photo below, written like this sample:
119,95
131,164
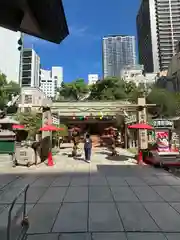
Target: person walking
87,148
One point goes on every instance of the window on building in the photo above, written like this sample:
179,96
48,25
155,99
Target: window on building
26,74
28,99
26,67
27,60
26,81
27,53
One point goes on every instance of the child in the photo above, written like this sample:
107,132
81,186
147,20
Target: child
87,147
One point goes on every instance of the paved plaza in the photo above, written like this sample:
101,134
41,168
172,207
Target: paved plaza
108,199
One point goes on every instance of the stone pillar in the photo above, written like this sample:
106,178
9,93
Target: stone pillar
142,118
46,120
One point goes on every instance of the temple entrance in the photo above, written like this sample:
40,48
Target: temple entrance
92,128
95,128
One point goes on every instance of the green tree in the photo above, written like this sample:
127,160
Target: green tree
31,120
7,90
74,90
129,87
132,91
166,102
3,83
12,89
110,88
177,98
3,80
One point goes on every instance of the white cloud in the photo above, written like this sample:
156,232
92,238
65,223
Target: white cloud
81,32
78,31
74,32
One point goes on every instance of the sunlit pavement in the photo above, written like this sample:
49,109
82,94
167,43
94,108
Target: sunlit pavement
109,199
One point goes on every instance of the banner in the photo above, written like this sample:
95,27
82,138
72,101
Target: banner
162,140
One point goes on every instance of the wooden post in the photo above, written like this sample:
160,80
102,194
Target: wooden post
126,136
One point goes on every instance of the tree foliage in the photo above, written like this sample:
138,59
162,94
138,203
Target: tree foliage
74,90
112,89
31,120
177,99
7,90
166,102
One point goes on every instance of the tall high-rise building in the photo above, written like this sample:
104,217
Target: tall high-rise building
9,54
57,73
118,51
158,29
51,80
30,75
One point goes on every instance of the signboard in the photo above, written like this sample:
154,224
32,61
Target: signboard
142,118
162,123
130,119
55,120
162,139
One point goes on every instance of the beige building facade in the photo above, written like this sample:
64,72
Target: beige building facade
31,99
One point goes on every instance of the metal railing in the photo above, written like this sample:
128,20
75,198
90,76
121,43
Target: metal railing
18,224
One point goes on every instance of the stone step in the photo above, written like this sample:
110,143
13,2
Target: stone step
5,158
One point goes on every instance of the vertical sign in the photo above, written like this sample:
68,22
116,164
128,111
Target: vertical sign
162,139
142,118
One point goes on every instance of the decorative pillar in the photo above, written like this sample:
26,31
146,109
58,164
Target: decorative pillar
46,115
142,118
126,135
46,120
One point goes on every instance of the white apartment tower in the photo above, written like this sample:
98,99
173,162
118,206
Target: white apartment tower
57,73
158,29
118,51
51,80
30,68
92,79
9,54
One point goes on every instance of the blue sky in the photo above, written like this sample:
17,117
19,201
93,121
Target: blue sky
88,20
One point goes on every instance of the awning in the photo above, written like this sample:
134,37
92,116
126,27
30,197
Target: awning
44,19
141,126
8,120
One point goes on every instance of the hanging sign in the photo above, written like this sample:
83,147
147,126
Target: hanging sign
162,123
130,119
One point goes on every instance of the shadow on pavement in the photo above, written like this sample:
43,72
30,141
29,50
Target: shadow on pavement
103,152
79,158
58,202
118,158
65,147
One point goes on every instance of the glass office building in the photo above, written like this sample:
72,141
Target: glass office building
158,30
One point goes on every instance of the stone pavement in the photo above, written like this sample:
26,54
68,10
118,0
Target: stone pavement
106,199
